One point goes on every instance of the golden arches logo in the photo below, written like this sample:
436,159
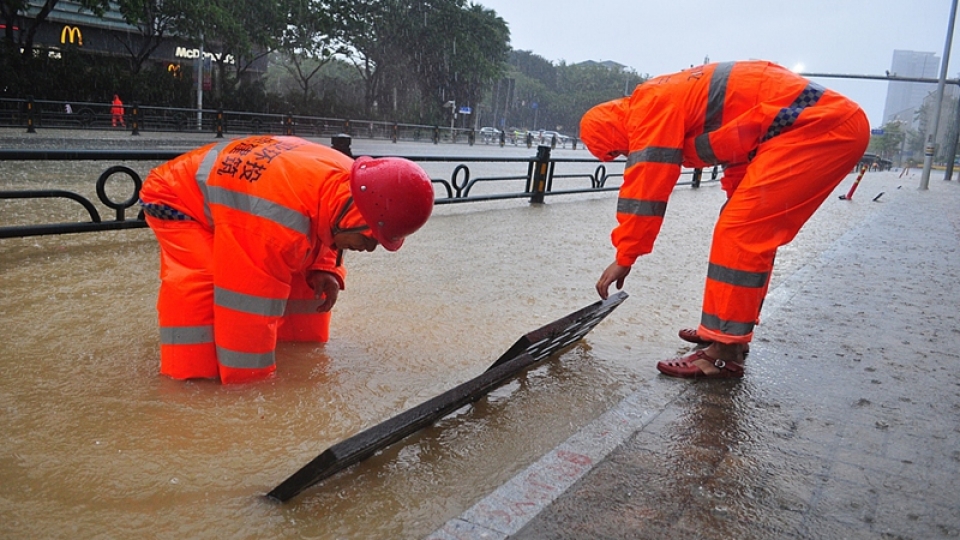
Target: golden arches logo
71,34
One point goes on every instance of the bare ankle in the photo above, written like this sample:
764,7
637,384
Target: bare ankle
730,352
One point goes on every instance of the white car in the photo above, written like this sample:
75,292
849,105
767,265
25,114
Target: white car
546,137
489,134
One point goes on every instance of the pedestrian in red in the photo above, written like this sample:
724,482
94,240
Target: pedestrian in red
116,112
785,143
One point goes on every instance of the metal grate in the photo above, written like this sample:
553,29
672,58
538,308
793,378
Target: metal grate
527,351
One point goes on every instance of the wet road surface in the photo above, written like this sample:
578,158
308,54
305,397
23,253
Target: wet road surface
98,445
847,424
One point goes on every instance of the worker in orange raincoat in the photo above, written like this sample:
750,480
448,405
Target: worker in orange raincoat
251,236
116,112
784,142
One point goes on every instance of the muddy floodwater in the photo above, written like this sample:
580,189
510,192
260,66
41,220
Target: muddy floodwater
97,445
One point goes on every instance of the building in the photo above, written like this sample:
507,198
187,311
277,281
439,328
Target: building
905,98
69,24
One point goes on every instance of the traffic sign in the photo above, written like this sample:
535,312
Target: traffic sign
876,132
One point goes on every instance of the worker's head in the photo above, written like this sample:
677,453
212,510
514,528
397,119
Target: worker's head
603,130
395,198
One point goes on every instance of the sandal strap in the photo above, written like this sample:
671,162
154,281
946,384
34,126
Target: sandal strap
723,364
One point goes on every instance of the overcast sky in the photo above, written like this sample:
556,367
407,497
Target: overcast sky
656,37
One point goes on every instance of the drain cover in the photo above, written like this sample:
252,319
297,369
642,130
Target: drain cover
527,351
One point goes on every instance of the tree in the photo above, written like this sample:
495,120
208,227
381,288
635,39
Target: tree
462,61
534,66
581,86
549,96
311,40
242,32
888,145
154,21
371,31
430,50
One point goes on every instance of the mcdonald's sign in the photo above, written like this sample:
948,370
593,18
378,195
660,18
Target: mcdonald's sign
71,34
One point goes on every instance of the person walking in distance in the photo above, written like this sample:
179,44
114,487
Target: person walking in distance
116,112
785,143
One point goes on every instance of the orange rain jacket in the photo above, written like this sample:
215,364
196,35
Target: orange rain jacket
784,142
239,225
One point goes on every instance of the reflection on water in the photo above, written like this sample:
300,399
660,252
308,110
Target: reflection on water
97,444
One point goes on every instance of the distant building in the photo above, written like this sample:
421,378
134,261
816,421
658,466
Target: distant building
69,24
905,98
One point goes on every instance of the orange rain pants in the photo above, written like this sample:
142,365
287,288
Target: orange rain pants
785,144
236,249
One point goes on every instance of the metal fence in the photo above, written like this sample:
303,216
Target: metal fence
540,176
33,115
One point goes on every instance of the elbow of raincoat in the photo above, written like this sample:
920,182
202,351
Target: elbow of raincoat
734,142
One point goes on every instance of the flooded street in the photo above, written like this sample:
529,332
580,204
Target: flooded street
98,445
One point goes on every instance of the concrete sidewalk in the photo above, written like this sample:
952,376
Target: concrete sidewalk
847,424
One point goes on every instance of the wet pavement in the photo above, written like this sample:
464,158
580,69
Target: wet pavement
847,424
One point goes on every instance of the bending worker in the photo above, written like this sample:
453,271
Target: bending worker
252,234
785,143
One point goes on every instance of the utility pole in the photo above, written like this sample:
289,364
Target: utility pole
930,148
200,86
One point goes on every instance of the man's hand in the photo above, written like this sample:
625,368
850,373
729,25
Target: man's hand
613,273
325,286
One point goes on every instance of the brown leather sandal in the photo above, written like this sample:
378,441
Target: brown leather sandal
690,335
684,368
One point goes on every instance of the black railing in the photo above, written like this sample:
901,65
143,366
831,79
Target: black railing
538,183
33,115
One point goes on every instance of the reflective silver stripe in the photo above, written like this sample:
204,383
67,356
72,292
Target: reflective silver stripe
731,328
186,335
259,207
713,116
655,154
299,307
203,173
248,303
716,97
740,278
705,149
242,360
639,207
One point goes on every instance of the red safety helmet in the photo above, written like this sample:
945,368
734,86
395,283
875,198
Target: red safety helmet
394,196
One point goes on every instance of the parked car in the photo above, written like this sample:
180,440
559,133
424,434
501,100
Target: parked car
547,137
489,134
